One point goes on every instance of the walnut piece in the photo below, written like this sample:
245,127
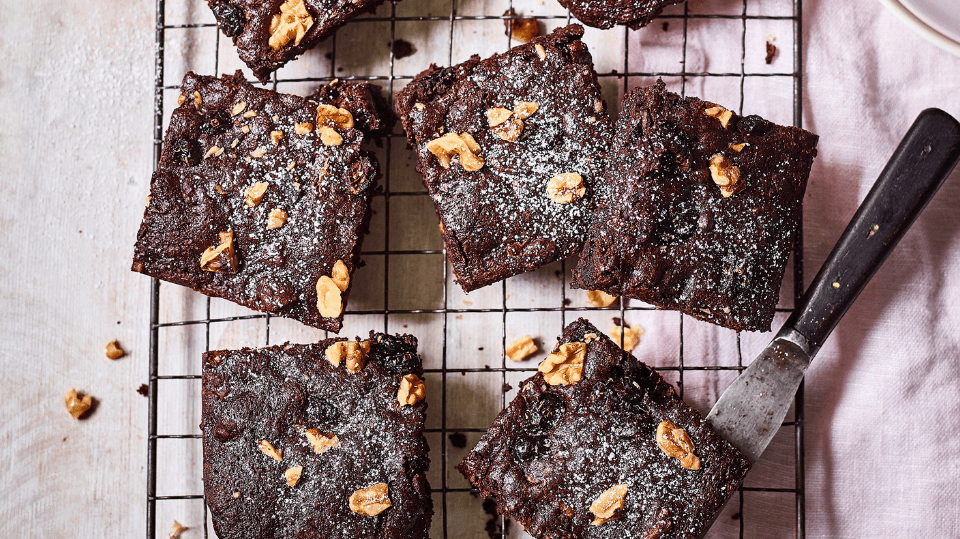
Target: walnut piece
725,174
508,125
676,443
340,275
412,390
497,116
630,336
238,108
370,501
329,137
521,348
719,113
77,405
303,129
566,187
463,145
276,137
176,529
321,442
267,449
329,301
113,350
525,109
353,352
334,117
292,475
254,194
276,219
291,24
599,298
222,258
564,366
540,51
738,147
523,30
606,505
590,337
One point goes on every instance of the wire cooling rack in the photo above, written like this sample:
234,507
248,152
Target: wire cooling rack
717,51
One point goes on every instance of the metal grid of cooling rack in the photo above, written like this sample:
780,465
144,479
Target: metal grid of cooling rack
794,427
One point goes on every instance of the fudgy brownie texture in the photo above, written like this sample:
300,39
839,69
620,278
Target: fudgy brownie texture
241,161
701,209
270,33
607,13
511,149
364,100
556,449
361,437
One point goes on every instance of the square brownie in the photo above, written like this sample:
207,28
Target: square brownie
317,441
364,100
259,198
606,13
597,444
511,149
701,209
270,33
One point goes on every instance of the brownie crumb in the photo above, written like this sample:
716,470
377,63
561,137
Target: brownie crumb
507,387
486,367
567,302
481,348
402,48
666,26
771,52
493,528
144,390
735,516
458,440
617,321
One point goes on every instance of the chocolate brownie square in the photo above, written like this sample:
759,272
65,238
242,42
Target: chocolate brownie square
701,209
597,444
259,198
511,149
365,100
606,13
321,440
270,33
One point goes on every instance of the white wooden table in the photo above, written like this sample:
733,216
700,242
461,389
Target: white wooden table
76,86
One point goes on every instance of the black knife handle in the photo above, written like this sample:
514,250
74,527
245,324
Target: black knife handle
923,160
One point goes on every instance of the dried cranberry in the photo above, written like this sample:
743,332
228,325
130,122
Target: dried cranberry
230,17
186,152
322,411
397,353
753,125
545,413
216,124
526,447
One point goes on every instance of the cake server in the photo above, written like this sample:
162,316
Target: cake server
751,410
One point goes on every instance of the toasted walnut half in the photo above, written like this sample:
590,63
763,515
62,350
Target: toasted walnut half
329,136
291,24
599,298
451,144
565,188
630,336
521,348
340,275
320,441
329,300
334,116
292,475
254,194
725,174
564,366
276,219
508,125
676,443
412,390
267,449
606,506
353,352
370,501
113,350
222,258
77,405
719,113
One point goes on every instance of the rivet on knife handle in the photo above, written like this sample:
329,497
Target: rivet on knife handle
921,163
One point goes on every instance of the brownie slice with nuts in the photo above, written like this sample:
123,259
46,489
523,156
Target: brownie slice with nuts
365,100
259,198
270,33
701,209
598,445
606,13
511,149
320,440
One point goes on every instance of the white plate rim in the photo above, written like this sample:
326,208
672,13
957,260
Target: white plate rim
921,27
